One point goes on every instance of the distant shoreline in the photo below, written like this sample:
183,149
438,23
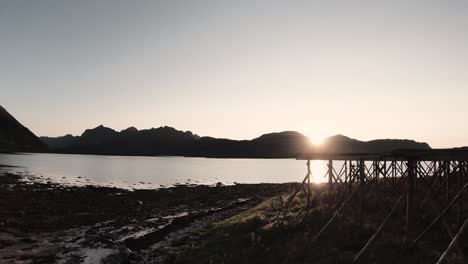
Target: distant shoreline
157,156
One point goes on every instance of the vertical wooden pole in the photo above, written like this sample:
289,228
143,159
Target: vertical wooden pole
376,170
330,172
346,171
308,182
440,172
417,173
447,184
410,198
361,191
460,186
384,172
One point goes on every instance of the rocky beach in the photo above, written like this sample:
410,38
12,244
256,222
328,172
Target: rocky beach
52,223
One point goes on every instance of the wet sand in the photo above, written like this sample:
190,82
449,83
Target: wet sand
50,223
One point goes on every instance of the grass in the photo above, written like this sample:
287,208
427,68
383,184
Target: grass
258,236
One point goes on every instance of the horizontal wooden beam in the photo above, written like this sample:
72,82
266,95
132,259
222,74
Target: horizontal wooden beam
400,155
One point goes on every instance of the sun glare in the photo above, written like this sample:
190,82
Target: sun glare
316,141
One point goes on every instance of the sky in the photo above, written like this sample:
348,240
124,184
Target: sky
239,69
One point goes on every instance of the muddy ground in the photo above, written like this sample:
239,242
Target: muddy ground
49,223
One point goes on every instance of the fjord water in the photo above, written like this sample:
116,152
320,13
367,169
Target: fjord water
154,172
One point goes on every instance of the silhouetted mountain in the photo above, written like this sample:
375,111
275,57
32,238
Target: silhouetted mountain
130,130
59,142
163,141
15,137
343,144
167,141
274,145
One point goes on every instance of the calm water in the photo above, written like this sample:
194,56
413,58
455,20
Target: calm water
154,172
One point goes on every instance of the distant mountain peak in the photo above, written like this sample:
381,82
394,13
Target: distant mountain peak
339,137
97,130
131,129
283,134
341,143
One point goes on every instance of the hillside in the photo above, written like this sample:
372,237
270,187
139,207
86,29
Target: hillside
343,144
15,137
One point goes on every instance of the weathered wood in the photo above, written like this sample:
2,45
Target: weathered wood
454,242
442,172
309,172
410,198
361,192
291,198
403,155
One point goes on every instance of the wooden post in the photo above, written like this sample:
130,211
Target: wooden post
346,171
330,172
308,182
446,173
376,170
385,171
291,198
460,186
361,191
410,198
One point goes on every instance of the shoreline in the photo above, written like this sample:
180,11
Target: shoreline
155,156
53,223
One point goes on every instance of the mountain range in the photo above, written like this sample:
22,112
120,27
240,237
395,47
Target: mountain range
167,141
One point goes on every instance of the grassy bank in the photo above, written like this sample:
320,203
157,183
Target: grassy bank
258,236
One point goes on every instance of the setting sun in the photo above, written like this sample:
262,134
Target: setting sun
316,139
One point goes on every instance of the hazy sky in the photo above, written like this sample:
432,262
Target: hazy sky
237,69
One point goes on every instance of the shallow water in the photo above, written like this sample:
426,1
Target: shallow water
156,172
